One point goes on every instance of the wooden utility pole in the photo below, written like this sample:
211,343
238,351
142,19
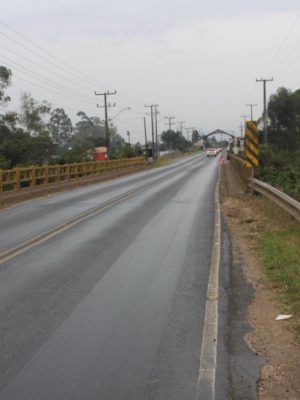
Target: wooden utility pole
156,137
106,106
251,109
128,134
152,128
181,123
265,115
146,142
170,123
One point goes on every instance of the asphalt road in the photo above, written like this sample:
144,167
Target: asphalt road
113,307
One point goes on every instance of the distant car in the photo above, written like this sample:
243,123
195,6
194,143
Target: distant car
211,152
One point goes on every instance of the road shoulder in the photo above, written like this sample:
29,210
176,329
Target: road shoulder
275,340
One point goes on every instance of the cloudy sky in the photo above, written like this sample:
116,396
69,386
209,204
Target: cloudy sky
197,59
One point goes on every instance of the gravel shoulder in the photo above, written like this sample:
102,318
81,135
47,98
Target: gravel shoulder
247,220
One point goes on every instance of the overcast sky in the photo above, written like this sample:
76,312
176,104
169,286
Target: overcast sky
197,59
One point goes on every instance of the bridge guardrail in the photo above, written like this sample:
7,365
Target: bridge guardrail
16,179
284,201
244,172
251,184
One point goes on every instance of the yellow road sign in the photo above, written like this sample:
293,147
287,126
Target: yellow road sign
252,144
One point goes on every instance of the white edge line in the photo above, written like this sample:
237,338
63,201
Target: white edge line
208,357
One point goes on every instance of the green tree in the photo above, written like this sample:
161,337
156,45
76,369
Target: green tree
195,136
90,128
175,140
15,143
284,116
60,126
5,82
127,151
34,114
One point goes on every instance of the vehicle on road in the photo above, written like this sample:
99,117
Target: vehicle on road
211,152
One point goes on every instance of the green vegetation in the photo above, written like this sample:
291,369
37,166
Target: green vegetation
281,257
176,141
40,134
280,169
280,159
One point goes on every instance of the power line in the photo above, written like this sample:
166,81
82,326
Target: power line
289,65
36,54
92,80
285,39
70,68
42,78
48,89
42,66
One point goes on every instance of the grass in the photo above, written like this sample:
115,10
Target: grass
166,159
161,162
280,251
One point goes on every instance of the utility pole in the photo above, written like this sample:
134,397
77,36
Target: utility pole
146,142
170,123
265,115
152,128
187,131
156,137
106,106
245,119
251,108
181,123
128,134
242,128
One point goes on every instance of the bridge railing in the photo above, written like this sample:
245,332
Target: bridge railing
284,201
16,179
244,172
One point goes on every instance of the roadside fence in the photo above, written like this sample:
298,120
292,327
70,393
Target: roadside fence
244,172
246,175
16,179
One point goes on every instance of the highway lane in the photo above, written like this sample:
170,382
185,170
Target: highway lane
30,219
113,307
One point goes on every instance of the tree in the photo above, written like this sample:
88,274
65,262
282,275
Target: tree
175,140
127,151
14,142
284,116
33,115
195,136
60,126
5,82
90,128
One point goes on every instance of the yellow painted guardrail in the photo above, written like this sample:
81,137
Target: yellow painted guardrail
20,178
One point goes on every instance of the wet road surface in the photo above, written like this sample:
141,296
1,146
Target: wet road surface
113,307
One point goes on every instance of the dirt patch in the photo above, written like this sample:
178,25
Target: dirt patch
248,217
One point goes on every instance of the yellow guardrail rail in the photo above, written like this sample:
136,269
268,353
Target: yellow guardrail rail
13,180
